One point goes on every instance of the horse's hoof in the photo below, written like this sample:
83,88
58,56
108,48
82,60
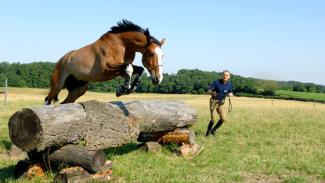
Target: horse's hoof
128,92
118,92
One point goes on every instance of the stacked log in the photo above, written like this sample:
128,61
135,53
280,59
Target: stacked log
97,124
93,161
77,133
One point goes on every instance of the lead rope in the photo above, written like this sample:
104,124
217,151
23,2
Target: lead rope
230,105
213,104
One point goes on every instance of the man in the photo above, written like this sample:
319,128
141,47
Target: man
218,90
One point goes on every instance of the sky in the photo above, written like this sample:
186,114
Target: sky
268,39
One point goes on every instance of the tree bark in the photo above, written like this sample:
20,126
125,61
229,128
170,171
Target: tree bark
37,128
97,125
151,147
160,116
93,161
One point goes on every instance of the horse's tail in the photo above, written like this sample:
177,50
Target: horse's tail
58,78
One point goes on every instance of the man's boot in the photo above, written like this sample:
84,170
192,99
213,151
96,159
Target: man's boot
214,129
211,123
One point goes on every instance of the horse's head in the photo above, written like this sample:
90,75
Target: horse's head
152,58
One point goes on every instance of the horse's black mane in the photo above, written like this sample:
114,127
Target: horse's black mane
126,25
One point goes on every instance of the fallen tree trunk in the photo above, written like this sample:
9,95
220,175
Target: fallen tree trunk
159,116
98,125
93,161
33,128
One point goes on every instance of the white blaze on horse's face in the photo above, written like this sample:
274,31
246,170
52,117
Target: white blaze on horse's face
152,60
160,54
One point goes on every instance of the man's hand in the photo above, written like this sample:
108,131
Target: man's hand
214,94
230,94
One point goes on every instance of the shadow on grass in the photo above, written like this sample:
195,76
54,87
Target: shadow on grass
127,148
5,143
7,173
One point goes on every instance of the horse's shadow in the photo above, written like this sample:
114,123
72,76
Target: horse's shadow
127,148
7,144
6,173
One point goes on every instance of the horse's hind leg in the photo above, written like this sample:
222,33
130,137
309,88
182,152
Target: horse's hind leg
57,83
75,87
75,93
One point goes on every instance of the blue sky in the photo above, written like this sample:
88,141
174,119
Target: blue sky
269,39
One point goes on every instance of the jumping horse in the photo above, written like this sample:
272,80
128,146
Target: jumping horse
110,56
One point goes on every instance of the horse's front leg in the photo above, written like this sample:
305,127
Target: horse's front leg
126,86
137,71
128,77
129,86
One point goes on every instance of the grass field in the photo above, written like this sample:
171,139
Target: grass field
301,95
262,141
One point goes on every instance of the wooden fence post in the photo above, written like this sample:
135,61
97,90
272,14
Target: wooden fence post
6,86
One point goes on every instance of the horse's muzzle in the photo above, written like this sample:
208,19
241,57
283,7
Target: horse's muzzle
155,80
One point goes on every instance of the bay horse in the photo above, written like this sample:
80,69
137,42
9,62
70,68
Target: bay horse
110,56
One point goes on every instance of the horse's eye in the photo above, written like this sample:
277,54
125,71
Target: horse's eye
151,54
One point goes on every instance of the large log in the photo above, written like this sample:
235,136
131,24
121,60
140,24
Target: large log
93,161
37,128
158,116
98,125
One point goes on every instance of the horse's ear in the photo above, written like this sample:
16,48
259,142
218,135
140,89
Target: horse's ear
162,41
148,37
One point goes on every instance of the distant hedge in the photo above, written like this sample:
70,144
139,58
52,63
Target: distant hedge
185,81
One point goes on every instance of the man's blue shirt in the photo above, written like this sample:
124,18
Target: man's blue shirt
221,88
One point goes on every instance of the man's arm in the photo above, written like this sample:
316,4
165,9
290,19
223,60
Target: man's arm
212,93
230,94
211,90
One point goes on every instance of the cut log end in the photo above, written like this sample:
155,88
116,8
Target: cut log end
28,169
99,161
24,129
151,147
78,174
178,136
93,161
187,150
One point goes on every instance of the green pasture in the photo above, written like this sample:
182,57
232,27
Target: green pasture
263,140
301,95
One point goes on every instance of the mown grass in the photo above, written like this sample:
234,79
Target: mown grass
301,95
262,141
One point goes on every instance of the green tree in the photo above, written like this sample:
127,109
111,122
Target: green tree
299,87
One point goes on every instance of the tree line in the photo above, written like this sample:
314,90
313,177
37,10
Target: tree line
185,81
